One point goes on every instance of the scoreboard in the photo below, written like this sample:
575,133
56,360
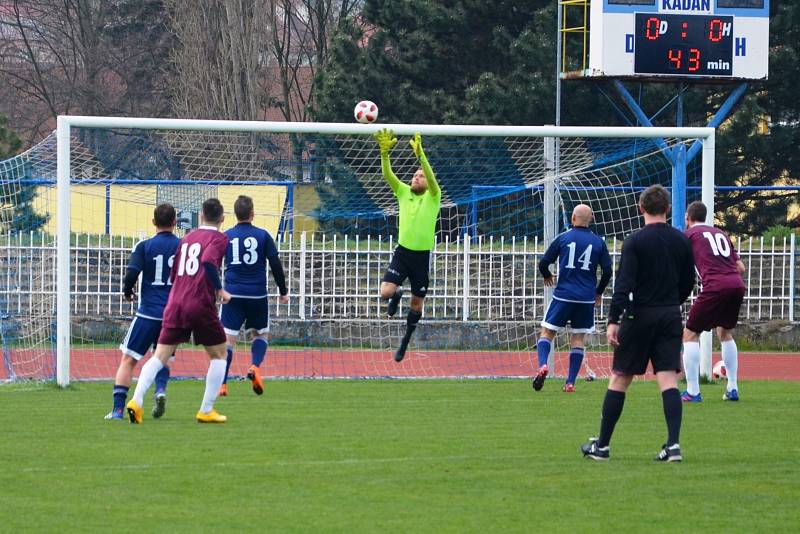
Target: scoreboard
679,39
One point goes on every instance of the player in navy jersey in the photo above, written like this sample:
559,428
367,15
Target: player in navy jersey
579,251
152,259
191,311
717,305
249,250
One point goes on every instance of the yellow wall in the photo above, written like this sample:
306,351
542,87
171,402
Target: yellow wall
131,210
132,207
267,203
306,201
87,206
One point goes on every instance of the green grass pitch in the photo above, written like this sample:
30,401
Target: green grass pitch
397,456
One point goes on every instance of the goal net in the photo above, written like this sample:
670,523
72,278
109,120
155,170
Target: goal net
318,189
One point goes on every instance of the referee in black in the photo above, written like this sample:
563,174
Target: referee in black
656,274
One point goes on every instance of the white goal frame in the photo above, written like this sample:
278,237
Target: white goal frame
66,122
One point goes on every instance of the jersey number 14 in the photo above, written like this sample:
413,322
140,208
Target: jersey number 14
585,259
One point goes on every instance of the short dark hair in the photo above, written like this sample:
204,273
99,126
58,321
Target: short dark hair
655,200
697,211
212,211
164,215
243,207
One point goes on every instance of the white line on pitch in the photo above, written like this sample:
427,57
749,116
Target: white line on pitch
283,463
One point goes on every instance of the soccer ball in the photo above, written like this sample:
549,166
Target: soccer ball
719,371
366,112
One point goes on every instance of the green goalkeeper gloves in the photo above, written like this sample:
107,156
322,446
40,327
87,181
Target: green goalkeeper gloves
386,140
416,145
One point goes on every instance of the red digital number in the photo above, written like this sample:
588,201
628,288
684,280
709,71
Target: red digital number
715,30
675,58
694,59
651,28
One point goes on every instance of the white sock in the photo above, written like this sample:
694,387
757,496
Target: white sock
146,379
214,377
691,366
730,355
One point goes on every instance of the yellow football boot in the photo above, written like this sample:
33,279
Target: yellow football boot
210,417
134,412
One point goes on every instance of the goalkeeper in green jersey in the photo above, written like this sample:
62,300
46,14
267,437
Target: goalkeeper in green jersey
419,208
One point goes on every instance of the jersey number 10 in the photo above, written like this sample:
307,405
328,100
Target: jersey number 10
719,245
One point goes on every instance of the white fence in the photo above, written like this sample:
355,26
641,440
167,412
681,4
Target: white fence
487,280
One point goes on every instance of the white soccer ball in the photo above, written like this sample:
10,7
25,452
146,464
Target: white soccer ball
719,371
366,112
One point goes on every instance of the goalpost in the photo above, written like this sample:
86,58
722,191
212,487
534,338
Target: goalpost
503,199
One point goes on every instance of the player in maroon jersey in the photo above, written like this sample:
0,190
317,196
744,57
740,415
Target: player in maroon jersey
717,305
192,309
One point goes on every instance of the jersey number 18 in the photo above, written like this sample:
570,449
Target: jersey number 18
189,262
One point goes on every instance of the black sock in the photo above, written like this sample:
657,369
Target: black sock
673,412
612,409
412,319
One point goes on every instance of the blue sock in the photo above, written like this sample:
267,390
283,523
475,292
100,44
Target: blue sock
543,350
575,361
161,380
120,396
259,350
228,364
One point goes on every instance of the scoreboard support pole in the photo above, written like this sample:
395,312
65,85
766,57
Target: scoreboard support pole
679,157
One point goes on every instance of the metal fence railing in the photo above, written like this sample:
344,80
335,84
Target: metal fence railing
330,278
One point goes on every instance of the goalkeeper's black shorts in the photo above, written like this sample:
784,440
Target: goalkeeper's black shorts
411,264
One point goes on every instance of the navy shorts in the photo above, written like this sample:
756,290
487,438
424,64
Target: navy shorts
142,335
252,313
579,315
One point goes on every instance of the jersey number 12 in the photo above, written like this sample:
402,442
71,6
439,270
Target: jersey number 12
158,279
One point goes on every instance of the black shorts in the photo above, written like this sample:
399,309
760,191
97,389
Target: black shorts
653,335
411,264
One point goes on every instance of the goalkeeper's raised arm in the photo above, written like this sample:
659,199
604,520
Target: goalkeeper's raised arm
430,178
387,141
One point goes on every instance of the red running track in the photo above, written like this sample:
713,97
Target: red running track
101,364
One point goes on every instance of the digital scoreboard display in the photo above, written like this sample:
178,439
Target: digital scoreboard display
683,45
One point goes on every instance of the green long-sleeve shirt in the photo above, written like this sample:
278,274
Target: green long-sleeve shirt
418,213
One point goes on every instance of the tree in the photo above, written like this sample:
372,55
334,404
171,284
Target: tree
89,57
16,206
466,61
301,31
